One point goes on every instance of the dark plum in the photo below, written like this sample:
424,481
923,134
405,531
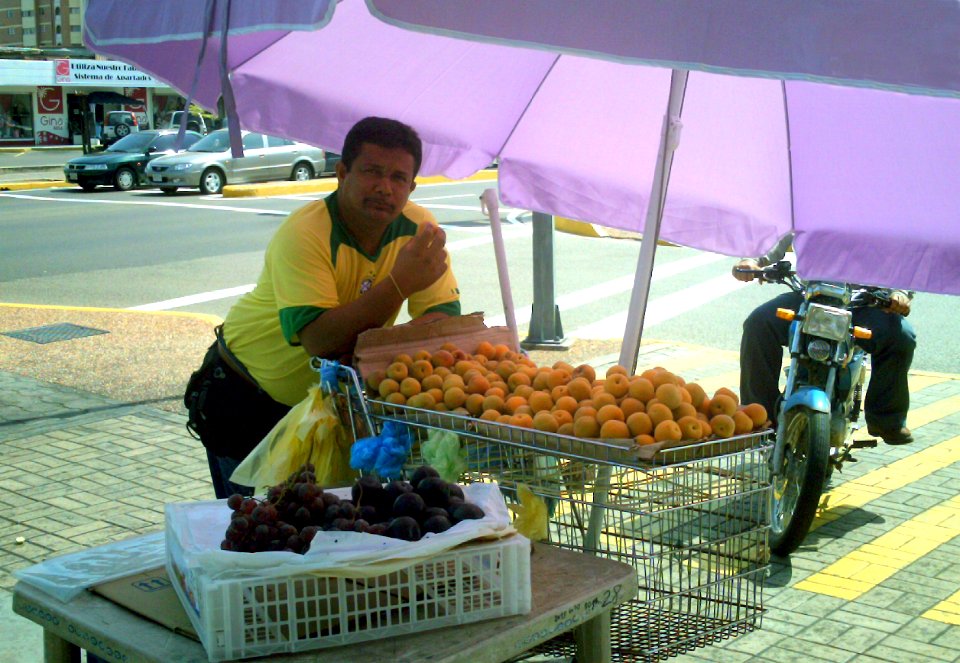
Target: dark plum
361,526
330,498
368,513
466,511
434,491
396,488
422,473
456,491
367,490
404,528
436,524
410,505
432,511
378,528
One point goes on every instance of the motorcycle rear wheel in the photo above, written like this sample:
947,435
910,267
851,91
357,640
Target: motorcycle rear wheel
801,480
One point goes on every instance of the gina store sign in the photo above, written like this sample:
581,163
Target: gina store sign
101,73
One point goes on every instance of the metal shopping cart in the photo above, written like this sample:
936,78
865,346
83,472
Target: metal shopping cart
692,520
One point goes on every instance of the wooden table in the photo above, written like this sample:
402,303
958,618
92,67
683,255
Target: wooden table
571,591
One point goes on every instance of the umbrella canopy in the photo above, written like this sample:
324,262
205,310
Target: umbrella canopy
865,177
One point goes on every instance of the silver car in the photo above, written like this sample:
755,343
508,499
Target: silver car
209,165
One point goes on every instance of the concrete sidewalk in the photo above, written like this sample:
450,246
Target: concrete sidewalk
93,444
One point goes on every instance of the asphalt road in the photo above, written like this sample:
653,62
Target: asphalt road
198,253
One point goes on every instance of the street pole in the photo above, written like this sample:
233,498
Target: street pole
546,330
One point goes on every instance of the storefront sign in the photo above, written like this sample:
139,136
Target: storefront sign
100,73
140,110
51,122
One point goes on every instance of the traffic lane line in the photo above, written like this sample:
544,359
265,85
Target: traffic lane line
869,565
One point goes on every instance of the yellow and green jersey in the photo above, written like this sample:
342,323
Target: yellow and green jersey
313,264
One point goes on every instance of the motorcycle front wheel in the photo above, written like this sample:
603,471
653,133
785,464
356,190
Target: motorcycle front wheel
801,478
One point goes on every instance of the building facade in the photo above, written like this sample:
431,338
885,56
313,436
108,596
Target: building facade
41,23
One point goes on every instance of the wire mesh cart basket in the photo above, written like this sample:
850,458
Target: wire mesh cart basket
692,521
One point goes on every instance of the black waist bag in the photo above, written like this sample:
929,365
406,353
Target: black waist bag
229,415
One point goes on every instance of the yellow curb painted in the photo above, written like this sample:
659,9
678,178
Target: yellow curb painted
574,227
24,186
947,611
30,148
328,184
206,317
886,555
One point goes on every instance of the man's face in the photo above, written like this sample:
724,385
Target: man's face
377,186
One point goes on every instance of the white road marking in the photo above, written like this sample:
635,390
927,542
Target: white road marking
614,287
156,203
198,298
663,308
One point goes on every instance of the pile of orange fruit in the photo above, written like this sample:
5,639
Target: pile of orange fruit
496,384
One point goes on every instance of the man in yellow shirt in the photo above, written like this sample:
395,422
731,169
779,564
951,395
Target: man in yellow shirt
334,269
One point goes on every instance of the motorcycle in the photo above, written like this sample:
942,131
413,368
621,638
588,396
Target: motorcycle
819,409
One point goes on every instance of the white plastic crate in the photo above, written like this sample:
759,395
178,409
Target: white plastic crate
253,614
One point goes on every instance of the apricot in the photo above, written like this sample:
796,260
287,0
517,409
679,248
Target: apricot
669,394
423,401
388,386
375,378
442,358
410,387
421,369
742,423
667,431
449,346
495,391
757,414
505,369
474,404
500,351
690,428
685,395
540,401
659,413
499,384
453,380
566,403
486,349
463,366
727,392
522,420
403,358
566,429
697,394
641,389
579,388
524,409
490,415
562,417
421,355
585,411
454,397
397,371
516,379
617,369
511,404
442,371
540,380
558,377
704,406
585,371
705,428
663,376
559,392
586,426
563,365
545,421
478,385
617,385
684,410
436,393
614,429
631,405
493,402
641,440
587,402
609,413
723,425
604,398
504,419
396,398
523,391
639,423
722,404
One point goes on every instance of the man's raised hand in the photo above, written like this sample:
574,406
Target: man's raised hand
422,260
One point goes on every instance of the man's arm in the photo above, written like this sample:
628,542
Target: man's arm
419,264
775,254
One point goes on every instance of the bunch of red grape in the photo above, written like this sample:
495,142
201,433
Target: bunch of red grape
294,511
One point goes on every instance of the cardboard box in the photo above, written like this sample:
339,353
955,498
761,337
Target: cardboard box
151,595
376,348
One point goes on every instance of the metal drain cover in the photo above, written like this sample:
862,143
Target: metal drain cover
61,331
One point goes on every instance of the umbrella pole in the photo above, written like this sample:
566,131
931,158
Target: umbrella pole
669,139
490,205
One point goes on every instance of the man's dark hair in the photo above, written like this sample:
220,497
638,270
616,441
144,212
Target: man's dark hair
386,133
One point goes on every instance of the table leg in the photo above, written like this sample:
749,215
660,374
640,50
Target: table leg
58,650
593,639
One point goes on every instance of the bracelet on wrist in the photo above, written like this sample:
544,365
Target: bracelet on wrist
396,285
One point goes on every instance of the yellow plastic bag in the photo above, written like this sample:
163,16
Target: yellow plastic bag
310,433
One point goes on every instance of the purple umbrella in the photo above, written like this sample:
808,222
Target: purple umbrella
864,176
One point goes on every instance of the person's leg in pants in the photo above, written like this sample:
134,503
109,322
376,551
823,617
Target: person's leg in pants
761,351
891,354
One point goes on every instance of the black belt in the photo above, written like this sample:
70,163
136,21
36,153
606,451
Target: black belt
231,361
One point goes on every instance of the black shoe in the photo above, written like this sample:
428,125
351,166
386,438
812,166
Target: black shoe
901,436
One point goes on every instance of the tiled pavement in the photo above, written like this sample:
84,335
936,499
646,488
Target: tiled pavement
877,580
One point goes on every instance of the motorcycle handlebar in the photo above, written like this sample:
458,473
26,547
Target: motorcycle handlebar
782,272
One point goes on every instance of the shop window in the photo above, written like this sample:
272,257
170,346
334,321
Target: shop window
28,31
43,11
44,29
11,31
26,13
74,28
16,116
11,13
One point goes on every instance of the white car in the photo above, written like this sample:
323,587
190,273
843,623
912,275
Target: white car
209,165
